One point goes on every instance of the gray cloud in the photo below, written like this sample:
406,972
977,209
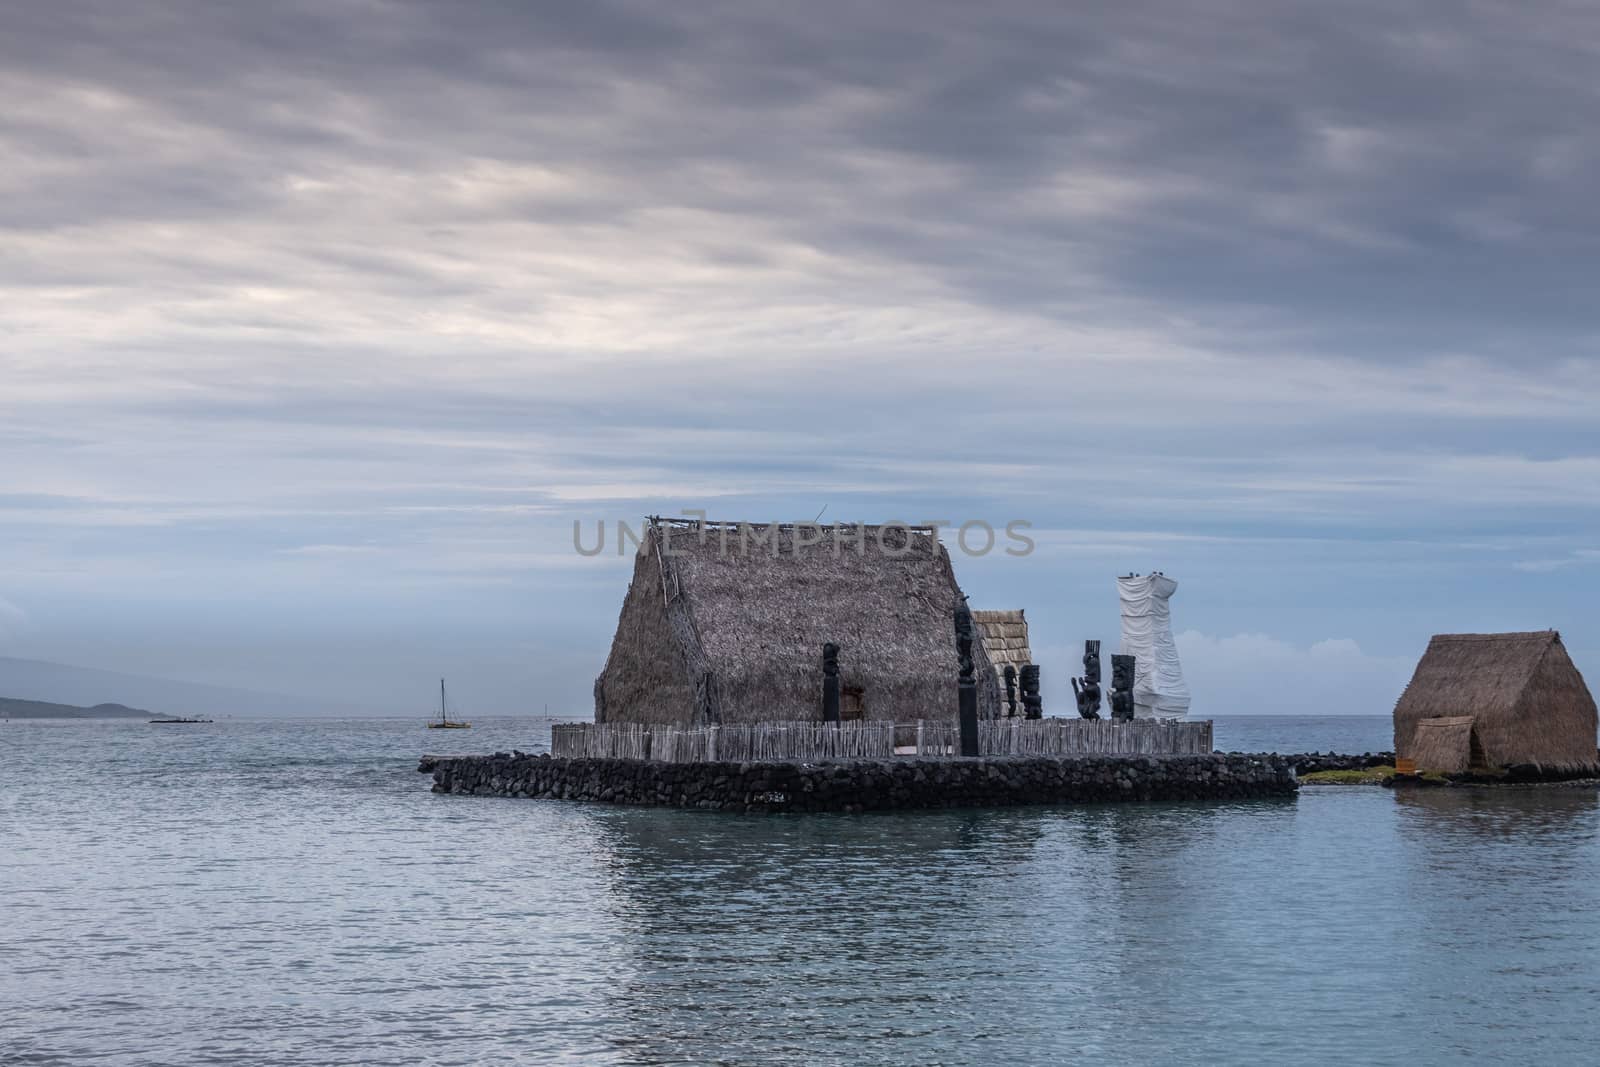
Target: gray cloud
1380,180
343,295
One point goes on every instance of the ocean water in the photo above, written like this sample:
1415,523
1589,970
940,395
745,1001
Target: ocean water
1350,734
292,893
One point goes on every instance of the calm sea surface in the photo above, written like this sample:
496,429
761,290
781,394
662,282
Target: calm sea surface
270,892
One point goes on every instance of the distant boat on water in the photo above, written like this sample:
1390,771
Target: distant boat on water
164,722
445,721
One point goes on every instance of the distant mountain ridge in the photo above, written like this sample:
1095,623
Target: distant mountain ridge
42,680
11,708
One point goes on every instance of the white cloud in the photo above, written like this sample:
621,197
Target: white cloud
1578,558
1543,566
14,622
329,550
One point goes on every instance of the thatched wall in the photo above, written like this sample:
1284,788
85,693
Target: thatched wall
758,616
1528,701
1443,745
645,677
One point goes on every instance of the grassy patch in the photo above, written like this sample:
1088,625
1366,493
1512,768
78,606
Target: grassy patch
1370,776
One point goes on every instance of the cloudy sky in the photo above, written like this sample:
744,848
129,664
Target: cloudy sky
321,323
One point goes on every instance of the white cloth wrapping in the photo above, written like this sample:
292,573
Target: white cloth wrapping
1159,691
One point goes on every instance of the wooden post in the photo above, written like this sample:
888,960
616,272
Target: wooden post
830,682
967,685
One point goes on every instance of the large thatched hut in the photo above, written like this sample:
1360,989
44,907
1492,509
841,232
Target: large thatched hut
1483,701
725,622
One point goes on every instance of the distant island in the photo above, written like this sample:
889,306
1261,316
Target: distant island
39,709
92,688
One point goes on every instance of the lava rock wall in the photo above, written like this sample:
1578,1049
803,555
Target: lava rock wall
866,785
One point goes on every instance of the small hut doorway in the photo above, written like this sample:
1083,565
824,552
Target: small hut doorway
1477,762
1448,745
852,703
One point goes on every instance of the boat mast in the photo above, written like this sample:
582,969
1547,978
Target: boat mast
442,716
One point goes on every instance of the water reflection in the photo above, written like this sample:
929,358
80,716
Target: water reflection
761,933
1554,814
915,930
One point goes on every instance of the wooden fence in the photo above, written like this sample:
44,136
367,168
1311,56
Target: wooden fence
1070,737
877,739
739,742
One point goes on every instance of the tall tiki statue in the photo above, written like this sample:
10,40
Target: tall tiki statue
1032,704
967,685
1122,668
1010,675
1087,688
830,682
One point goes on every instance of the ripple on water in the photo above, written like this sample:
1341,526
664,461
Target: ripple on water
291,892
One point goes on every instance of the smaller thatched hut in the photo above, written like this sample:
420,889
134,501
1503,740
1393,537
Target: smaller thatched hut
1487,701
1005,639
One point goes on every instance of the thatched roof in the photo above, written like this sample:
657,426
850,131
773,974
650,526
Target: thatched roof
1005,637
1527,702
738,614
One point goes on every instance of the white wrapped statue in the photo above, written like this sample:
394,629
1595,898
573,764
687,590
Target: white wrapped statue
1159,691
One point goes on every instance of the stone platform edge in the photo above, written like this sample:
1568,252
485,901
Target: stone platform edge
866,785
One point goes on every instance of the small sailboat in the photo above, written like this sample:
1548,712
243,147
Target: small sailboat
445,721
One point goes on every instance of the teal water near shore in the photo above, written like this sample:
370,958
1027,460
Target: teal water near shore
290,892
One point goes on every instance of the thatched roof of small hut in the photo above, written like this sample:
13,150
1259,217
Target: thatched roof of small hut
1005,637
725,622
1522,694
